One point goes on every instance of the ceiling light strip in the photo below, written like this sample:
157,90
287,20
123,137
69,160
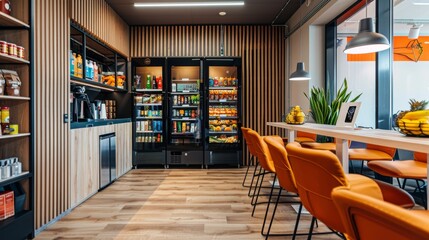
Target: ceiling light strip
189,4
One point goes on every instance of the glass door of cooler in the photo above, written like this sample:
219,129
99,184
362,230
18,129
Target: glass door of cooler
149,111
224,111
185,142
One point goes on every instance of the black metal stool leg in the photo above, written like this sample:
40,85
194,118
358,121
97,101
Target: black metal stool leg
259,191
272,217
268,205
256,186
297,221
247,172
310,232
253,178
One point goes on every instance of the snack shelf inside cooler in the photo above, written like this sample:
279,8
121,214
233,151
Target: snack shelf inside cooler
223,139
149,90
185,92
223,101
222,88
148,104
223,132
149,118
184,118
185,106
222,117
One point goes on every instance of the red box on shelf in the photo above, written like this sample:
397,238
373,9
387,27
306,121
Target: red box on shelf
7,205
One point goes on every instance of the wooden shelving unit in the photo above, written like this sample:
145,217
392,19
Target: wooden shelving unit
17,29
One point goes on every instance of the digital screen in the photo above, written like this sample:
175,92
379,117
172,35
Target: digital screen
350,113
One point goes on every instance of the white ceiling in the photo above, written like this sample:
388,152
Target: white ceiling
405,15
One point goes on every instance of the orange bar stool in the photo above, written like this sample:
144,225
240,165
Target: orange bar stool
371,153
265,161
286,180
318,172
365,217
406,169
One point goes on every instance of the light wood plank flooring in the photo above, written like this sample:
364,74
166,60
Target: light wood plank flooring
191,204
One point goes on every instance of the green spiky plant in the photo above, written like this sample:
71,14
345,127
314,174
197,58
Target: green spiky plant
323,111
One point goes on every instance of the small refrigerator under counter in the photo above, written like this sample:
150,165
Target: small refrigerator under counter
107,159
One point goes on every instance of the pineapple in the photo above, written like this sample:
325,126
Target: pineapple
414,106
417,105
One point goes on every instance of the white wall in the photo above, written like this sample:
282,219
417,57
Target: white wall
313,52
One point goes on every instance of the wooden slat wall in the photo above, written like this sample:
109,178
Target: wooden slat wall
51,44
103,22
262,49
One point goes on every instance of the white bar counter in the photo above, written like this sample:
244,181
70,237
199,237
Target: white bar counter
388,138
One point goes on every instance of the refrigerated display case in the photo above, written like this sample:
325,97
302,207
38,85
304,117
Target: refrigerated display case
149,131
185,121
223,119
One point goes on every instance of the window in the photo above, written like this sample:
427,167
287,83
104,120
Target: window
360,69
410,53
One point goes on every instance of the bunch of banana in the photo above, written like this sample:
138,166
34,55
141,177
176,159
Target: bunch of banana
415,123
295,116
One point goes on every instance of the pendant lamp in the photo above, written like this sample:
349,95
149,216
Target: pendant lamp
300,73
367,40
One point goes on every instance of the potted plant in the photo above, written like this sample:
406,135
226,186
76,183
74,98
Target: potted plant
324,112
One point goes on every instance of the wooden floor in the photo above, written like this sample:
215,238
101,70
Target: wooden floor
190,204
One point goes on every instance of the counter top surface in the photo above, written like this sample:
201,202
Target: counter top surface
96,123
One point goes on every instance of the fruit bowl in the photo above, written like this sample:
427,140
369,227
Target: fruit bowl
414,123
295,116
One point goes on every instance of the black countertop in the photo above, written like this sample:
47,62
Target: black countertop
96,123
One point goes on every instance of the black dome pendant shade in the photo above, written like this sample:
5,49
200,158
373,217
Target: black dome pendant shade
367,41
300,73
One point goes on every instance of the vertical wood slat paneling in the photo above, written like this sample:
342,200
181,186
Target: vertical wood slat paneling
51,42
262,49
98,18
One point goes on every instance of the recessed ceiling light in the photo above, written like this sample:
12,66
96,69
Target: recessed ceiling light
189,4
222,13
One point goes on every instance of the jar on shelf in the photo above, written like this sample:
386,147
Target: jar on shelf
20,51
2,84
3,47
11,49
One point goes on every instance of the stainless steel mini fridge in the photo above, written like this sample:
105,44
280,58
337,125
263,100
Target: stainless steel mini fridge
107,159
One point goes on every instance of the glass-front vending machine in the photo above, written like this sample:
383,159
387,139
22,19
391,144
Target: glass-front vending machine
149,130
223,115
185,112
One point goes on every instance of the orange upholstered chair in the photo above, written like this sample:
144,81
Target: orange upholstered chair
406,169
372,153
368,218
302,137
318,172
265,161
285,177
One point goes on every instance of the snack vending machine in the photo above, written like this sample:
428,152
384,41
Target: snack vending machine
223,118
149,130
185,112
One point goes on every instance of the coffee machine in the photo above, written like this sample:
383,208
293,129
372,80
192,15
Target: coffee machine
82,111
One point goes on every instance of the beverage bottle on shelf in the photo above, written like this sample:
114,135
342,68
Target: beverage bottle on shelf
154,84
174,126
72,60
78,63
179,127
148,81
95,75
183,126
159,82
173,87
159,138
